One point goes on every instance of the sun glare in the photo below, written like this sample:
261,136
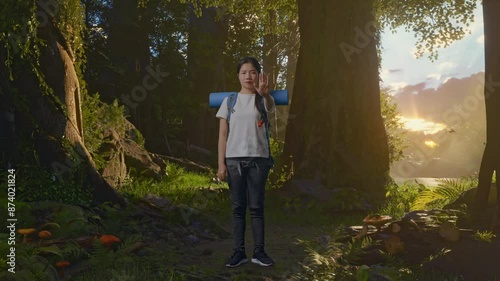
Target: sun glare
418,124
431,144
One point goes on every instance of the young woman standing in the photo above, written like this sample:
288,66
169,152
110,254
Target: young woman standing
245,158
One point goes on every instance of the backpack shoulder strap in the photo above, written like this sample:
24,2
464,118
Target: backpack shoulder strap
263,111
231,101
267,124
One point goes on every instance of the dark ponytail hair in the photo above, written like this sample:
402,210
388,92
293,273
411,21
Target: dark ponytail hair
255,63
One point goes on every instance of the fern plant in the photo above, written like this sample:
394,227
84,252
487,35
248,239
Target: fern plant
447,191
400,198
333,262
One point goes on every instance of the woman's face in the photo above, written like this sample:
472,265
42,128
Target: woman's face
248,76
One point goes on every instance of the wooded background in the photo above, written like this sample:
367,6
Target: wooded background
71,67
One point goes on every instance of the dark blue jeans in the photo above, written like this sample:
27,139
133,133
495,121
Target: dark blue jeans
247,178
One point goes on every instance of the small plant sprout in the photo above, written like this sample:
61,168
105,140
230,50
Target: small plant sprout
485,236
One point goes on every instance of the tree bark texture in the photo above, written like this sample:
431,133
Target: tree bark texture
206,45
52,123
335,132
491,155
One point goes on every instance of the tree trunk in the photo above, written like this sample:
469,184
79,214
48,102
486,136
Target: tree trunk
292,47
55,128
270,64
491,155
270,53
131,79
207,39
337,134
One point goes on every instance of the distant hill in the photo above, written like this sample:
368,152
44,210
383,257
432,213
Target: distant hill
459,104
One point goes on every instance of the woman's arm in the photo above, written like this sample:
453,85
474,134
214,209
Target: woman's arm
269,103
223,131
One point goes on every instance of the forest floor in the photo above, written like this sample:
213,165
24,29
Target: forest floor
180,229
285,229
210,256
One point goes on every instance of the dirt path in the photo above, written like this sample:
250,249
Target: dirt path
281,245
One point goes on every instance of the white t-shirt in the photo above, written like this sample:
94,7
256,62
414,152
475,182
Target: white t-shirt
246,138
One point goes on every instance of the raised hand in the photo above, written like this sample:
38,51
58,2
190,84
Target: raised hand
263,88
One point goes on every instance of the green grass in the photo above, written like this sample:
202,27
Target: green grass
178,186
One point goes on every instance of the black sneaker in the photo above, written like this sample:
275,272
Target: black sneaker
261,258
238,258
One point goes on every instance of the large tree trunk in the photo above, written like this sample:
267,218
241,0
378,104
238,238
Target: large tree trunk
491,155
207,39
292,47
131,79
337,133
55,129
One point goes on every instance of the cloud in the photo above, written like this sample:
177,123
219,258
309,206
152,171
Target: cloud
420,101
419,124
415,88
446,66
436,76
396,70
480,39
396,86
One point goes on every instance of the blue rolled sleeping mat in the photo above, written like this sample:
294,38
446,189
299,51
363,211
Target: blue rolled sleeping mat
280,97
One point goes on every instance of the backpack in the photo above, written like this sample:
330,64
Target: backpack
231,102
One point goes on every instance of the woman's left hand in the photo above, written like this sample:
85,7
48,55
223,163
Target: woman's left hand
263,88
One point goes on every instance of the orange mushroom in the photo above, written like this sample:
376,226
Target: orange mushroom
109,240
61,265
377,220
25,232
44,234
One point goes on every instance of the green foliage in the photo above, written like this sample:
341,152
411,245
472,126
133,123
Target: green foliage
176,180
20,25
38,184
333,261
70,20
338,262
348,199
446,192
63,220
280,173
18,32
180,187
98,118
31,265
485,236
400,199
393,126
436,24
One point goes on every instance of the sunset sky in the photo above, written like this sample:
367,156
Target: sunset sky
461,59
